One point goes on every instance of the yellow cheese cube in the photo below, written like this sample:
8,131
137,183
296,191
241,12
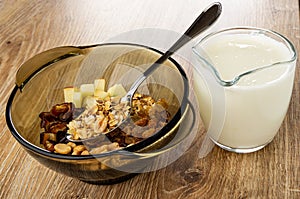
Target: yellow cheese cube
99,84
77,99
68,94
87,90
117,90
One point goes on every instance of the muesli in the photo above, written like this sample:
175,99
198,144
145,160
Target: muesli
90,111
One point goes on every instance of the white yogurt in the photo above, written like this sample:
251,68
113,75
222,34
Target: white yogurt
256,106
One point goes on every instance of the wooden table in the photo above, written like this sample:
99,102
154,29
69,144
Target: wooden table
29,27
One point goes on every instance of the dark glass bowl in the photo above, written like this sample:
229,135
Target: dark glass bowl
39,86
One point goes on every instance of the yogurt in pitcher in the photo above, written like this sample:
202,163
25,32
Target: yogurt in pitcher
255,106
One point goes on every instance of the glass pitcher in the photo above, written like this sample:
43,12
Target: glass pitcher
243,78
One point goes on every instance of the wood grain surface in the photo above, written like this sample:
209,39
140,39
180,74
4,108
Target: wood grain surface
29,27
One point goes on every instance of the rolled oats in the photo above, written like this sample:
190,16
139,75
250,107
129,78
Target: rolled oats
99,119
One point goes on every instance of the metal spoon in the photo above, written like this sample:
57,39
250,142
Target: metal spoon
204,20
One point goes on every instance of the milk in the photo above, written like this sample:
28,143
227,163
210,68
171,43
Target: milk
256,105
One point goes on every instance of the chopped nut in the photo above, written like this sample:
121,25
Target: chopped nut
62,148
85,152
113,123
76,153
103,125
79,148
71,144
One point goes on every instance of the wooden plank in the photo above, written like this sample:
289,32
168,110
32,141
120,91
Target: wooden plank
29,27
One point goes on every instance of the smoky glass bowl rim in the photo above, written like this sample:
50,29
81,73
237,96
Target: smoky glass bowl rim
128,151
233,30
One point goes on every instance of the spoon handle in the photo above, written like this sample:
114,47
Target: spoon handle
203,21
